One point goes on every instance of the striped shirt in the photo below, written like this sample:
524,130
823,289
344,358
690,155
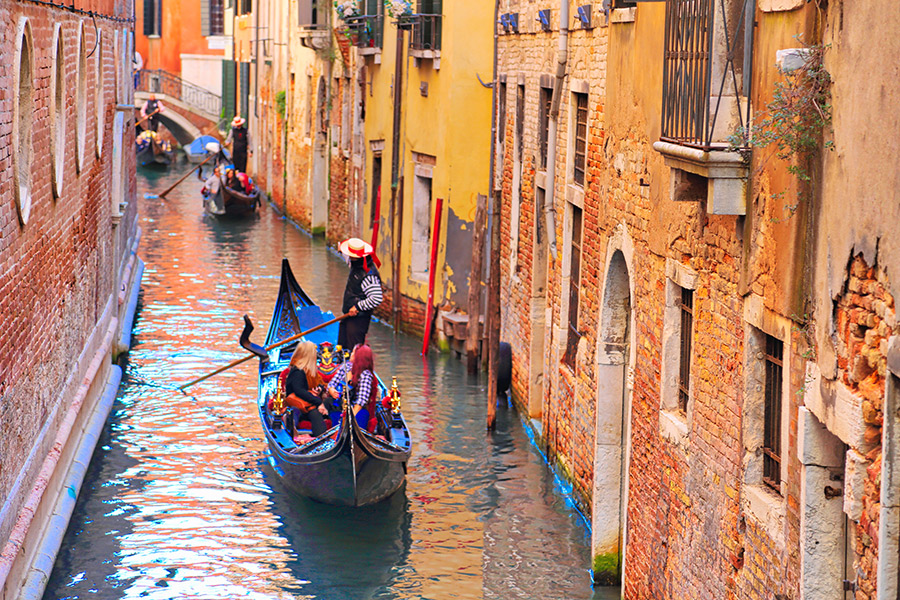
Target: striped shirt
371,287
366,381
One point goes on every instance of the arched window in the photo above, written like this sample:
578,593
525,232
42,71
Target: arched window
57,113
100,98
81,100
23,114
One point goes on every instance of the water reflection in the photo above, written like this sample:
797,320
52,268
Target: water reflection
180,502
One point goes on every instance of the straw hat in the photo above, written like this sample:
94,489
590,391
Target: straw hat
355,248
238,121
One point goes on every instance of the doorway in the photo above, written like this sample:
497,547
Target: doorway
613,426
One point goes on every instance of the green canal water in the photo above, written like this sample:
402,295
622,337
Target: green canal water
180,500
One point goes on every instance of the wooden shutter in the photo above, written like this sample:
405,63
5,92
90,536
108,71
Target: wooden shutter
305,8
204,18
228,90
149,17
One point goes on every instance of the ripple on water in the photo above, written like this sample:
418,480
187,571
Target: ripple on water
180,501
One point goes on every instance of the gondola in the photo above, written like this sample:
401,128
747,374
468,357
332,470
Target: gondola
348,465
238,204
151,150
197,151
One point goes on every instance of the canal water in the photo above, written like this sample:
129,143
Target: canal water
180,501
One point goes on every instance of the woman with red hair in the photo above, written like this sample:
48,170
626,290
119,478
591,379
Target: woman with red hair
358,374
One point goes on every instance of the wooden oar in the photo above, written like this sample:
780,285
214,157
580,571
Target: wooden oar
186,175
147,117
235,363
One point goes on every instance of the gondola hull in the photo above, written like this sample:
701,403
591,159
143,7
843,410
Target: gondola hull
347,465
154,155
238,204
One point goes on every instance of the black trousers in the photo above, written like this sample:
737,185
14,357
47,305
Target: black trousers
240,160
353,330
315,418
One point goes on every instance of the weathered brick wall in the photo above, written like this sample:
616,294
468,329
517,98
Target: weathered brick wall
57,271
865,319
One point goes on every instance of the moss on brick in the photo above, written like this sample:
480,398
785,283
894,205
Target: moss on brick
606,569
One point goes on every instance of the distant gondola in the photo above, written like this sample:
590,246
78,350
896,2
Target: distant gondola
348,465
151,150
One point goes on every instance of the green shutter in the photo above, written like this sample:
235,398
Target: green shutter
245,89
228,90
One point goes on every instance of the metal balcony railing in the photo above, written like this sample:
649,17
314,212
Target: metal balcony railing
426,32
163,82
706,71
367,30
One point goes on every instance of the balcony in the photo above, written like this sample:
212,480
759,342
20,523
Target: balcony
706,85
367,32
425,37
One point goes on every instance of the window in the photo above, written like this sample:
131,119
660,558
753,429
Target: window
308,10
81,101
245,7
153,17
772,420
501,119
421,227
23,113
370,27
686,305
376,188
574,288
57,113
99,99
581,114
520,123
546,97
212,17
517,176
426,31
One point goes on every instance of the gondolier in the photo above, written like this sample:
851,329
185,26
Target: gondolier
362,294
239,138
150,111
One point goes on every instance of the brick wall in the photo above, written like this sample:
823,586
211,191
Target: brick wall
57,271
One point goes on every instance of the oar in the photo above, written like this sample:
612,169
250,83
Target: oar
147,117
235,363
186,175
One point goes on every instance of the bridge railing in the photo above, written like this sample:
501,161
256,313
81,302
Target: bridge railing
162,82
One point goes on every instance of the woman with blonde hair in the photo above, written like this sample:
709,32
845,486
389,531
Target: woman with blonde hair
303,388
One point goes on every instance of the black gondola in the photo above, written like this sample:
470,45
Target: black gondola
153,151
348,465
238,204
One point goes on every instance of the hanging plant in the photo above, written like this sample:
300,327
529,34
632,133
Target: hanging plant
398,8
346,9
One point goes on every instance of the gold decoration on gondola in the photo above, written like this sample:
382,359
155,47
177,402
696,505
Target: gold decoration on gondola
278,403
395,396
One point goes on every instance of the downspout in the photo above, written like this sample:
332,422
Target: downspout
561,59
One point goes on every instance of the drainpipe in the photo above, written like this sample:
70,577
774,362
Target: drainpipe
562,57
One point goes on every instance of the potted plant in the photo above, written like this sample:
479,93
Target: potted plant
398,8
346,9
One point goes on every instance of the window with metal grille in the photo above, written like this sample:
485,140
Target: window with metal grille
686,304
520,122
581,117
546,97
772,417
426,31
152,17
212,17
574,289
703,63
376,187
501,118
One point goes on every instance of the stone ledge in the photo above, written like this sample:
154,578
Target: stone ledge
767,508
673,427
726,171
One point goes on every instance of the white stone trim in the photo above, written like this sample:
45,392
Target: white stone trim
22,120
673,425
622,15
889,519
767,508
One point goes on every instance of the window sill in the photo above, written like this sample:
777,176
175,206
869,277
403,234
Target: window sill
622,15
154,36
767,508
368,51
673,427
779,5
417,53
575,195
726,171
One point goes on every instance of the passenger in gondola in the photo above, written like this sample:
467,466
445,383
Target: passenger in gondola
305,389
357,375
212,189
233,181
246,182
362,293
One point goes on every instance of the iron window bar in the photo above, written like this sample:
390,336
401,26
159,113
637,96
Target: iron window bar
686,305
368,29
772,427
581,114
426,32
574,336
689,117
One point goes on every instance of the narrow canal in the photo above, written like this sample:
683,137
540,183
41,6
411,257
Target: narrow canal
180,502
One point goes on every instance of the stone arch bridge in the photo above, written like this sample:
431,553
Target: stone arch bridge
191,111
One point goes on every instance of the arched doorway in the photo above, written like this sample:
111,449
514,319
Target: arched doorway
615,356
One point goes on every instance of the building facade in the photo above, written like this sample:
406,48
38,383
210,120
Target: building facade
698,276
69,272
